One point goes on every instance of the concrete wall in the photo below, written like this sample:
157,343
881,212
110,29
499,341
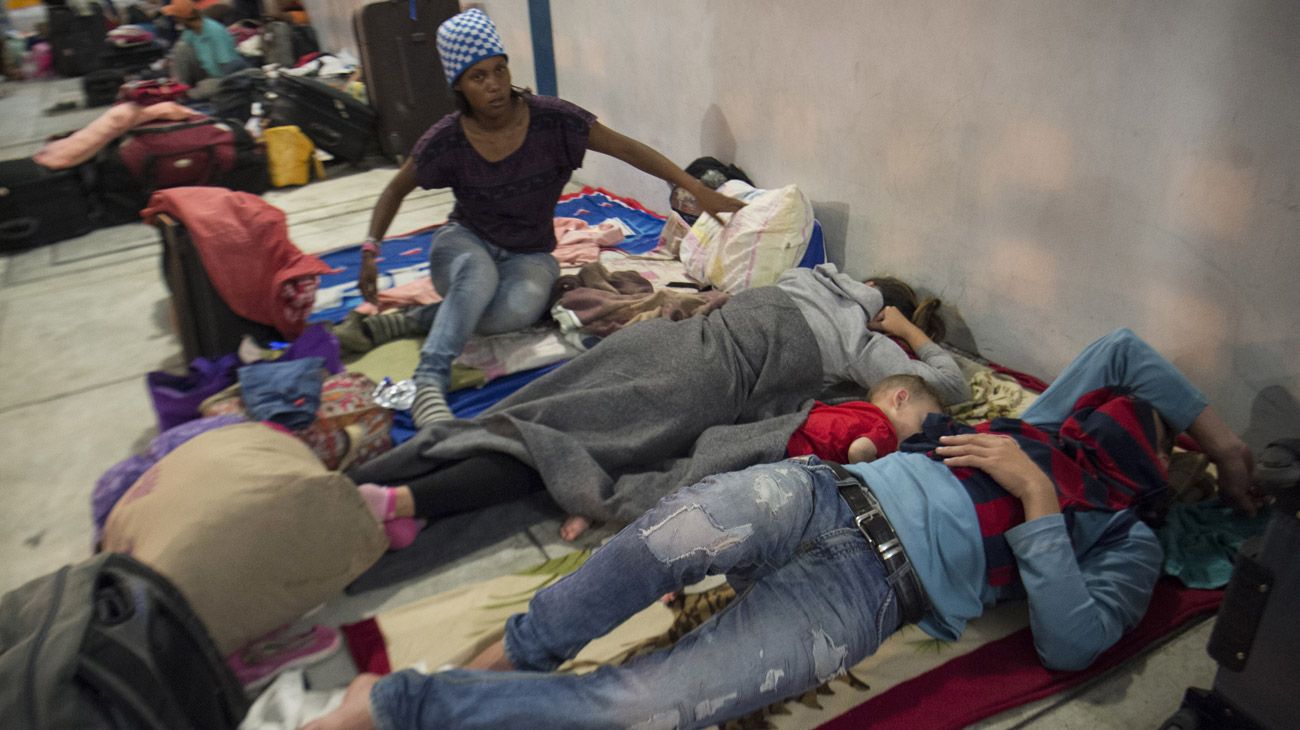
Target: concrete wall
1053,169
332,20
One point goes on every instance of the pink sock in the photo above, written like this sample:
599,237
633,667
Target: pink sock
401,531
382,501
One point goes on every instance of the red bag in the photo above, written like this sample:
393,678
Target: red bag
127,36
152,91
173,154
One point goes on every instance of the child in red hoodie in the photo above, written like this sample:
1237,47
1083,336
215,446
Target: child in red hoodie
865,430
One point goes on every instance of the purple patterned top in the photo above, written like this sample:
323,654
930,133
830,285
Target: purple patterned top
509,203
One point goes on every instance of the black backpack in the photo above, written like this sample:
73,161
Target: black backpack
110,643
237,92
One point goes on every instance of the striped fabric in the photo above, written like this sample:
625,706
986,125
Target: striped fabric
1103,457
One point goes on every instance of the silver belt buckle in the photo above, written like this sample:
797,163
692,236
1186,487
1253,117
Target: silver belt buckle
864,518
886,550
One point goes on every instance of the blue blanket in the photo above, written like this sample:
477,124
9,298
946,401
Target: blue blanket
410,253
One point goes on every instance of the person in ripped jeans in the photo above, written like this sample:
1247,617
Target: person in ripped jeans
828,561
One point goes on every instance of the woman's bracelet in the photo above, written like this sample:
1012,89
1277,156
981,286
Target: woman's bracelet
370,245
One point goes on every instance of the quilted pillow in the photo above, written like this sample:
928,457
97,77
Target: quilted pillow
251,528
769,235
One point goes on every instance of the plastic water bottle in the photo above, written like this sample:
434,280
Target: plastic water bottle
256,122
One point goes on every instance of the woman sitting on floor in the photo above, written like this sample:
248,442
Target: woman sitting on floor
507,155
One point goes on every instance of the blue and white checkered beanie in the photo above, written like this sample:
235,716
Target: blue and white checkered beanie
466,39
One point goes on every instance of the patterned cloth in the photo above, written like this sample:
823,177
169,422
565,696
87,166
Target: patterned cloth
466,39
1103,457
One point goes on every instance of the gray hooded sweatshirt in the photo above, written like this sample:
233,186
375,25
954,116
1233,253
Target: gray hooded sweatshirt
837,308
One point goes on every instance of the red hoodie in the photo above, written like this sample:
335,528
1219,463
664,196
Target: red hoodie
245,247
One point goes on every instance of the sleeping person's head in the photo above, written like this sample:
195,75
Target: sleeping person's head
906,400
923,313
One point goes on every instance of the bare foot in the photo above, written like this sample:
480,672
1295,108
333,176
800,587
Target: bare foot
492,658
354,712
574,526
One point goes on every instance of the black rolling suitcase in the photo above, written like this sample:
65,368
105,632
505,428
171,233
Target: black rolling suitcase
101,86
1256,637
39,206
118,194
76,40
110,643
206,325
334,120
403,73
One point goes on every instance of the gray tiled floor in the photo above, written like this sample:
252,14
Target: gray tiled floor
82,321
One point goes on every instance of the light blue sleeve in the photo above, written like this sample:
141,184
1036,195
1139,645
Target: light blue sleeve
226,51
1080,606
1119,359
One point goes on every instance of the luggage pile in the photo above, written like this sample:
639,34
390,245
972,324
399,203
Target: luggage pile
404,83
40,206
333,120
82,44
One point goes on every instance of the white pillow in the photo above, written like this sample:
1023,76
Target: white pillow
766,237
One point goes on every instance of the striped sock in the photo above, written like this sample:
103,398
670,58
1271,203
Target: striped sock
351,334
388,326
430,406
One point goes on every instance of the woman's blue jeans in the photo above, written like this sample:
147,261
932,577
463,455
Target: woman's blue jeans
485,289
812,601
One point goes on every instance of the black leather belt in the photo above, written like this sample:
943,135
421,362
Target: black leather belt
871,520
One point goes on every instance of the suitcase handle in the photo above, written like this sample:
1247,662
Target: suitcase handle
18,230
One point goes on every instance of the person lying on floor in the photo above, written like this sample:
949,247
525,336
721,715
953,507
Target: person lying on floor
849,432
662,404
1044,508
506,155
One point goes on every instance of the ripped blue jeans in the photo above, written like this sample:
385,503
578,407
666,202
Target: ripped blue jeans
812,601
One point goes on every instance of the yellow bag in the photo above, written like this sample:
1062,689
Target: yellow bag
291,157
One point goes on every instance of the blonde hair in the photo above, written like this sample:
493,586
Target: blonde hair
913,384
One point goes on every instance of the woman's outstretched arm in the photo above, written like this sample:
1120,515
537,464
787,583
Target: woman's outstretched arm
649,160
